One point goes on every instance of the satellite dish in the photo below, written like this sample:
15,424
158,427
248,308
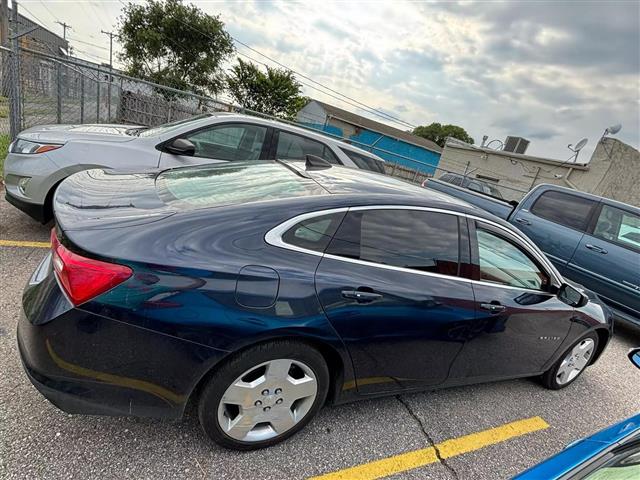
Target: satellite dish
580,145
613,129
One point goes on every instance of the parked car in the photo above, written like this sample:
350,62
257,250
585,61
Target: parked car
610,454
261,289
474,184
41,157
592,240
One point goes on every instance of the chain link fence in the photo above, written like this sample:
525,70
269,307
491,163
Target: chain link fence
40,88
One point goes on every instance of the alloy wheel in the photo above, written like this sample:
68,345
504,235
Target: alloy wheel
267,400
575,361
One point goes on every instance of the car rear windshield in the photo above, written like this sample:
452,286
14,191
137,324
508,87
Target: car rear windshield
232,184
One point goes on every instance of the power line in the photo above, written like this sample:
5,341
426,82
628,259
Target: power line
65,26
357,104
47,9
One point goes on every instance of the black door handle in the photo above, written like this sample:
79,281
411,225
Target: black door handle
596,248
492,307
361,296
523,221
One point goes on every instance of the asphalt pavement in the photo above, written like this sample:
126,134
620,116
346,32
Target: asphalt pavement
525,422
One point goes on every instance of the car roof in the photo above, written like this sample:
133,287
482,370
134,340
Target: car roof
292,183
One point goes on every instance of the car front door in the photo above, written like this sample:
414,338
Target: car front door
389,283
556,222
222,142
607,259
519,323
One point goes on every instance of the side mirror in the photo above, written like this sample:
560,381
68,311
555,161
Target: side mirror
572,296
634,356
181,146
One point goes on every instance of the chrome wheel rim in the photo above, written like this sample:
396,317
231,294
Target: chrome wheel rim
267,400
575,361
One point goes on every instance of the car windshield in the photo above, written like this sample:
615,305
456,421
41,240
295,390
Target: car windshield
624,465
231,184
168,127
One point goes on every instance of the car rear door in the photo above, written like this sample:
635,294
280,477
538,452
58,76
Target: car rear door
389,283
607,259
556,222
520,323
292,146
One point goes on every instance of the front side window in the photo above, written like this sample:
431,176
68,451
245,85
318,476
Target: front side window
565,209
229,142
619,226
314,233
297,147
414,239
504,263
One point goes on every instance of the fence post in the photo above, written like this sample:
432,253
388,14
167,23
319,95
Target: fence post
59,92
81,98
98,100
109,98
15,105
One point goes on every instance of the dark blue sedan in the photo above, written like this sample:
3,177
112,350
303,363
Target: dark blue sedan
261,291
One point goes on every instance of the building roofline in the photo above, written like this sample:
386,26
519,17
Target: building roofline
391,132
519,156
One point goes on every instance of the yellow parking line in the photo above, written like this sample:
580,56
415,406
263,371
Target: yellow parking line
447,449
20,243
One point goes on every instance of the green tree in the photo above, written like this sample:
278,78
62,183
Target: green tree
274,92
438,133
174,44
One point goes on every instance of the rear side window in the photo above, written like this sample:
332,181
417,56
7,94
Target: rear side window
618,226
314,233
296,147
363,162
565,209
414,239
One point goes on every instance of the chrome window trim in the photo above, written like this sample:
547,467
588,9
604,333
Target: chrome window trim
274,237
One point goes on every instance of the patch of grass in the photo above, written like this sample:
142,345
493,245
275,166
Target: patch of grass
4,148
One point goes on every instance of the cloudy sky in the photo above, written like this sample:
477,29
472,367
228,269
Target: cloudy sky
553,72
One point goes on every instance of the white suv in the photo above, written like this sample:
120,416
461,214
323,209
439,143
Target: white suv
41,157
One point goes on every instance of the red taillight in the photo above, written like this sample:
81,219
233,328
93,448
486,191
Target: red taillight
84,278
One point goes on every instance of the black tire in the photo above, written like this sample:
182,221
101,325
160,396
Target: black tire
226,374
549,378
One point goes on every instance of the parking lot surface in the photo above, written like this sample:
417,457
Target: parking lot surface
487,431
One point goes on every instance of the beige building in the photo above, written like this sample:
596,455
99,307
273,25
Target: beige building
613,170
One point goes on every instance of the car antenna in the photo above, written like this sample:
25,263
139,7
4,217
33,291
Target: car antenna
316,163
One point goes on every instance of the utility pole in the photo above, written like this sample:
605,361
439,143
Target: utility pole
111,35
64,28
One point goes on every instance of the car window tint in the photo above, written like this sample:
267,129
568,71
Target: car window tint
363,162
296,147
475,186
314,233
456,180
419,240
229,142
505,263
617,225
565,209
494,192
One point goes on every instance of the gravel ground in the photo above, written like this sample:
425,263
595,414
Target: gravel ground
39,441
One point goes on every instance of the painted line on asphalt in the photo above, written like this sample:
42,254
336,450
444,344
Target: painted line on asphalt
447,449
20,243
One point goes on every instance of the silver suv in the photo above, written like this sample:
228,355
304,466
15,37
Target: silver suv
41,157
